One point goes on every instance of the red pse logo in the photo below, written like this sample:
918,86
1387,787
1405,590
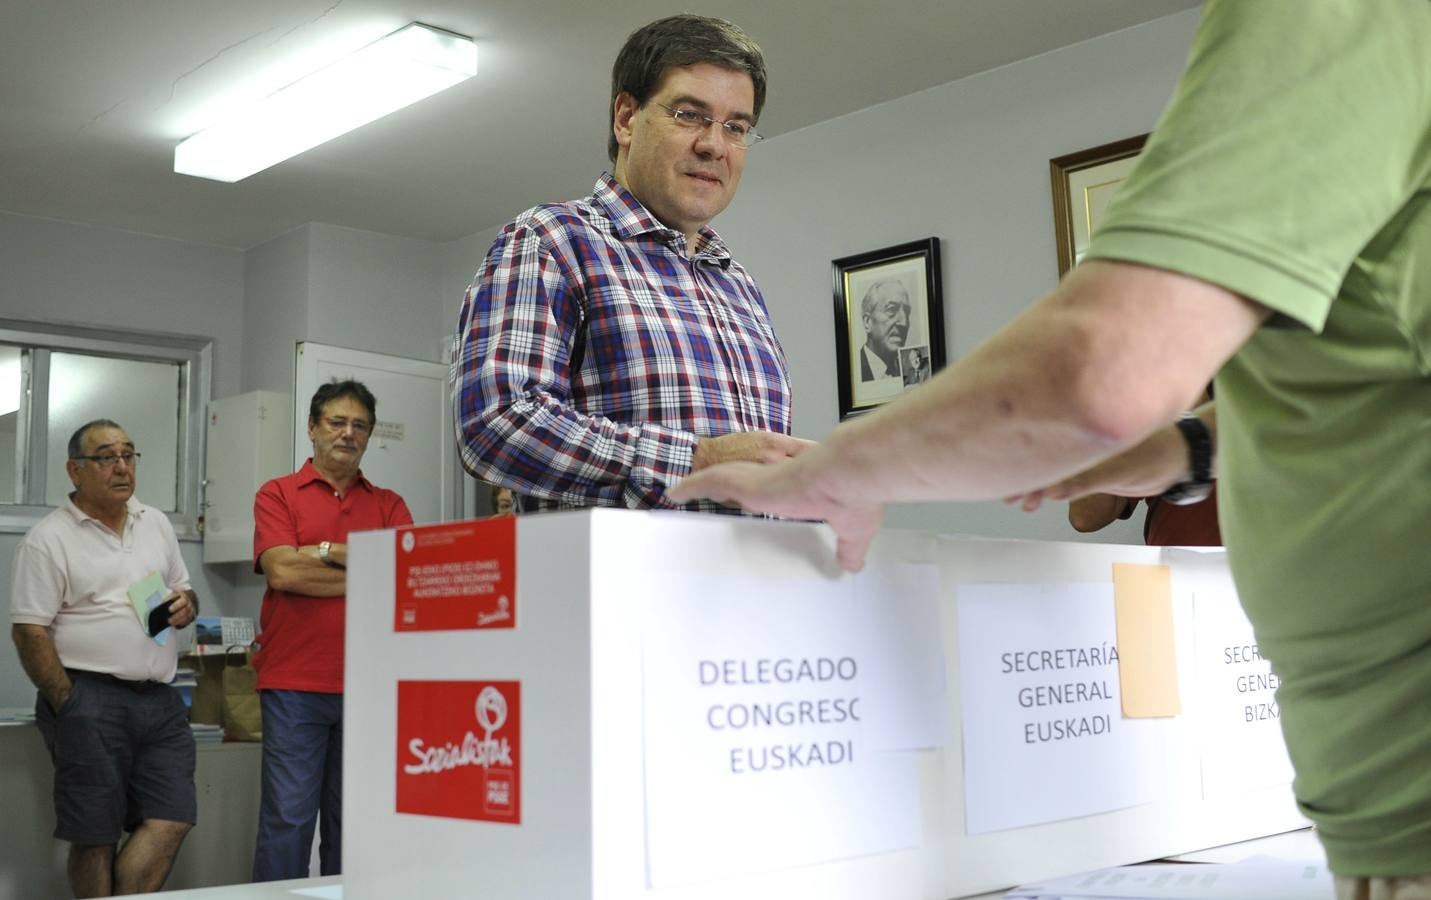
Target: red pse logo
459,749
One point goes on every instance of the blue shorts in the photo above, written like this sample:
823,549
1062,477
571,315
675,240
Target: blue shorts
123,753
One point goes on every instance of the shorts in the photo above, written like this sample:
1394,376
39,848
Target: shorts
123,753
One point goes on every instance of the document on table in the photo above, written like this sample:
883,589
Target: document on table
1189,881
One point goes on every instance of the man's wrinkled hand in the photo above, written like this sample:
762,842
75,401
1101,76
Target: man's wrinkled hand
789,489
182,612
763,447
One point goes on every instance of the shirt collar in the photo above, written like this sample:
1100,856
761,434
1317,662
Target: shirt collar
631,219
133,509
309,474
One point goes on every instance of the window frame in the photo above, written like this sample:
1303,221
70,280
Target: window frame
195,356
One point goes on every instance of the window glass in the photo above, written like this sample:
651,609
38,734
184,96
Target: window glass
143,397
9,422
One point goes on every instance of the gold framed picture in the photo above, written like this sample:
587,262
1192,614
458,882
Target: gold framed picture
1083,183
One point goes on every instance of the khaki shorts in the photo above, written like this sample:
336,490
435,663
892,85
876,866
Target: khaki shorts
1414,888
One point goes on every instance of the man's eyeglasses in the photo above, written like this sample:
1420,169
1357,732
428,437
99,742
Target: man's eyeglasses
737,133
339,425
110,460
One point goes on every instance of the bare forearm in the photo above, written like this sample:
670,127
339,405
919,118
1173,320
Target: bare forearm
1077,378
41,663
300,571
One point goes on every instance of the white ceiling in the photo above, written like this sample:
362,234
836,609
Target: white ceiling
94,94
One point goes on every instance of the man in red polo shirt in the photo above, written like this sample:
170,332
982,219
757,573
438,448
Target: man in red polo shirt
301,527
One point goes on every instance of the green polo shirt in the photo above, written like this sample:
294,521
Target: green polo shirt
1293,166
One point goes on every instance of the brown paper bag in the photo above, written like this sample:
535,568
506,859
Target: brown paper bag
242,718
208,705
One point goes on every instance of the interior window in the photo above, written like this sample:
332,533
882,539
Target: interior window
141,396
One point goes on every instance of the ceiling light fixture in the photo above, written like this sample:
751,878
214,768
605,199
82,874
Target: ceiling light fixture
408,65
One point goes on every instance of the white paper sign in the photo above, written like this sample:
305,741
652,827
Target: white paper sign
1044,736
1238,717
759,719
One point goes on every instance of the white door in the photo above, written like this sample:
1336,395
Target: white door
411,449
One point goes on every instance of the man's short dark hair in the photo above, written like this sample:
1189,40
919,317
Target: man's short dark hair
76,448
335,389
677,42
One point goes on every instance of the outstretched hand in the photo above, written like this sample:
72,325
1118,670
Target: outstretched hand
789,489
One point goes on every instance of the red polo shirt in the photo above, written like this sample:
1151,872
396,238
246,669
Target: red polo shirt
301,637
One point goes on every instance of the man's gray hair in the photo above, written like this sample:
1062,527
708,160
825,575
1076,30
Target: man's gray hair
76,447
872,295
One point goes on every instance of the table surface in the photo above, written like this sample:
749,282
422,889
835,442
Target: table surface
1293,846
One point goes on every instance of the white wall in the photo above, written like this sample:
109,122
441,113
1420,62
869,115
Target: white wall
966,162
275,310
374,292
458,261
100,278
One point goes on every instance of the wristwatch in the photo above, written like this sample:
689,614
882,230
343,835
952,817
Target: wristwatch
323,552
1199,484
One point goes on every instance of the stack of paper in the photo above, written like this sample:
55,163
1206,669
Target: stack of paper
185,681
207,734
16,715
1189,881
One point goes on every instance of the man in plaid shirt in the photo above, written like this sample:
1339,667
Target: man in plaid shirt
610,346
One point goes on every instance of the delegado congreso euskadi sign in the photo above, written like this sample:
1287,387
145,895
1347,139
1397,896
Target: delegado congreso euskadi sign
766,698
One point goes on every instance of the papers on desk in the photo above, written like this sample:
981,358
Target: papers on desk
1189,881
16,715
207,734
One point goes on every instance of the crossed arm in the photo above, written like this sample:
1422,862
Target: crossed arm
299,570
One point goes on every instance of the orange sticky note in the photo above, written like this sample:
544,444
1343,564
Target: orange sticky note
1147,658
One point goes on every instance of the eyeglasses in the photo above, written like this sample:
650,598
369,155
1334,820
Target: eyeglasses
737,133
359,426
110,460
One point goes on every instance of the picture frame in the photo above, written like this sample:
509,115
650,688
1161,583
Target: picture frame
880,354
1083,183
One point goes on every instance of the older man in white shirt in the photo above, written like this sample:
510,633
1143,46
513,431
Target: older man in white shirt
118,734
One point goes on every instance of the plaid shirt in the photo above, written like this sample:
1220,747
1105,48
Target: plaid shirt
591,355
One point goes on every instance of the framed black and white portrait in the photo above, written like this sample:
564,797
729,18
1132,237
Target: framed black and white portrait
889,323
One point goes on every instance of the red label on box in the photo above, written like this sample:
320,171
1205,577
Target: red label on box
457,575
459,749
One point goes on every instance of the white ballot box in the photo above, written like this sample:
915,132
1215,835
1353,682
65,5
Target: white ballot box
614,704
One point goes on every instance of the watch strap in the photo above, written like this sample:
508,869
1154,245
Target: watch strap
1200,479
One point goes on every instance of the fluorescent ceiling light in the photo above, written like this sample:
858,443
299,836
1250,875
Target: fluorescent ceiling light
406,66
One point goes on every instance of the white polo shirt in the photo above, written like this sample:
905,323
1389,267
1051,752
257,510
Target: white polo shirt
72,573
